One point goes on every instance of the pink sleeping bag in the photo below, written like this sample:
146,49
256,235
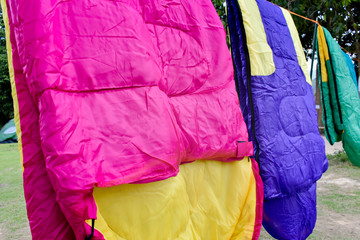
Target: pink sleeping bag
116,92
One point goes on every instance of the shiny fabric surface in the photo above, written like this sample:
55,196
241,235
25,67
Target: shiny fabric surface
116,92
195,204
279,110
340,97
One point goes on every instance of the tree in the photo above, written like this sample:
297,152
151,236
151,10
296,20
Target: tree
340,17
221,10
6,103
220,7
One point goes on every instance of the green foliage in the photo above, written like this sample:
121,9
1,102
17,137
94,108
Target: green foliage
337,16
221,10
220,7
6,103
340,17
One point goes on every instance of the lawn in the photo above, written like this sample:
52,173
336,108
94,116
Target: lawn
13,219
338,202
338,199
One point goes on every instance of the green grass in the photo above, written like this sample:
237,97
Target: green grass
342,203
342,198
335,199
340,164
12,204
339,158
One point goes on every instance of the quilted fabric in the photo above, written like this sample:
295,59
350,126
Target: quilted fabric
279,110
195,204
332,134
351,67
115,92
342,98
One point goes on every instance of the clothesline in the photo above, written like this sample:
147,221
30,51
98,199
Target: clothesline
351,54
309,19
316,22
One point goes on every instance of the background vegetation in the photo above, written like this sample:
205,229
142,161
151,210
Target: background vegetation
338,198
6,105
340,17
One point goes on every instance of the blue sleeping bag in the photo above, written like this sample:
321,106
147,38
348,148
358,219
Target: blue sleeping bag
278,105
350,65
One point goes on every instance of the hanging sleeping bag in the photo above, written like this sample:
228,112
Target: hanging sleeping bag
278,105
109,93
351,67
342,98
326,76
206,200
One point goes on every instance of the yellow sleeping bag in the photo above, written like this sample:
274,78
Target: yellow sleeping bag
206,200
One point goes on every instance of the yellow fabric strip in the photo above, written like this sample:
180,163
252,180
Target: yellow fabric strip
324,47
323,53
206,200
297,43
12,79
261,55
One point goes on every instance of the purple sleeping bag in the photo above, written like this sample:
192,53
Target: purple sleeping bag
279,110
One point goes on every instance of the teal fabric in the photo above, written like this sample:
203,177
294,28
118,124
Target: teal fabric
8,132
327,114
351,67
349,100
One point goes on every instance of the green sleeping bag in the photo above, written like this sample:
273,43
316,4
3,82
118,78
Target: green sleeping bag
340,100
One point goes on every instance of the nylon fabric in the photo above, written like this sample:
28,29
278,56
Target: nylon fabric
112,93
280,98
12,80
261,54
332,83
348,105
279,110
46,219
350,65
183,204
325,76
297,44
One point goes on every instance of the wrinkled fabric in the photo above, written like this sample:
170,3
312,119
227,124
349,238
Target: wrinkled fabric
351,67
46,218
279,110
332,84
331,132
291,217
192,205
342,98
116,92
